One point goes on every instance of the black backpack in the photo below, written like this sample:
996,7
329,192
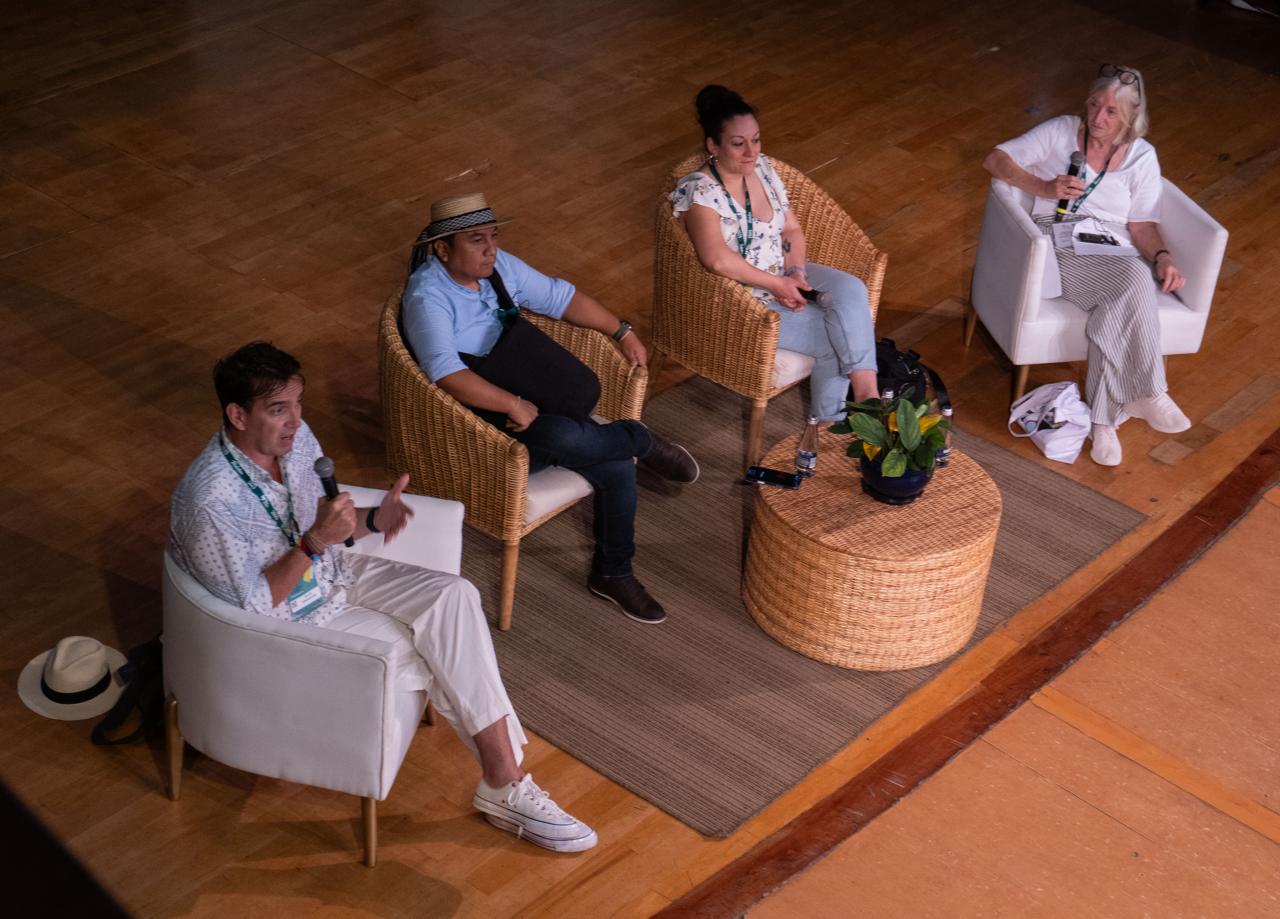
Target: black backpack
143,676
897,370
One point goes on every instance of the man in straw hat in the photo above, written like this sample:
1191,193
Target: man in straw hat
458,317
250,522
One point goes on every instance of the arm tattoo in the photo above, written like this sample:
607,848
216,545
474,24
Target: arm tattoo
786,245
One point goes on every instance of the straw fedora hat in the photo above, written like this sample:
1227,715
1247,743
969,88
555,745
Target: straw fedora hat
457,213
75,680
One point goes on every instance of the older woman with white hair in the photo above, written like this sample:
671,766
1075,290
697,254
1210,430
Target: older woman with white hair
1118,185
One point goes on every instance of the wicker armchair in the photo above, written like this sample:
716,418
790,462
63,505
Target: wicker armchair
450,452
714,327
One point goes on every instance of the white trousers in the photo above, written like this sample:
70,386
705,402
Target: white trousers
435,622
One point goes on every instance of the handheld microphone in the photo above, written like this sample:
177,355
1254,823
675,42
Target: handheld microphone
324,469
1077,160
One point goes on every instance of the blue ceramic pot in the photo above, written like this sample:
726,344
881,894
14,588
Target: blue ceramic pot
901,489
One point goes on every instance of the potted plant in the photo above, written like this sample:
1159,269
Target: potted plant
896,444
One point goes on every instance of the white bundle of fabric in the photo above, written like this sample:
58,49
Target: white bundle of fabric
1055,418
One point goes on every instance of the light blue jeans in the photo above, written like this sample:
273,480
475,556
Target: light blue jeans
837,332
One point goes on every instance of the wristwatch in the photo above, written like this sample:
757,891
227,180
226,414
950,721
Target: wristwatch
623,328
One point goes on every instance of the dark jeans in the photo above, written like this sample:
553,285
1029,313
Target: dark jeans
604,455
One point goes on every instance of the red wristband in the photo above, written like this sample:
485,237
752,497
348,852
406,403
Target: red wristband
306,547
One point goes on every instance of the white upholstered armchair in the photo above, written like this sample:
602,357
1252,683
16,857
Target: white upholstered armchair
295,701
1017,292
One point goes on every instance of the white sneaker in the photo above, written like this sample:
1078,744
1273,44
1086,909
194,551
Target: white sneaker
526,810
1106,446
1161,412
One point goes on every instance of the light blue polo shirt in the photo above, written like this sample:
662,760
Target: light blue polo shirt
441,318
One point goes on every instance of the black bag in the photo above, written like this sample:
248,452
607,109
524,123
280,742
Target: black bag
528,363
143,675
897,370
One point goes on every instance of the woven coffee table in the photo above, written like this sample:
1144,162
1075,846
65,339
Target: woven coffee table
849,581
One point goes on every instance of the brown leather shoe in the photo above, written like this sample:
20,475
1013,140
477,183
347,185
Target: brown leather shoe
629,594
670,461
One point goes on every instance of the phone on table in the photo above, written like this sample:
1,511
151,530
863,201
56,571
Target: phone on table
762,475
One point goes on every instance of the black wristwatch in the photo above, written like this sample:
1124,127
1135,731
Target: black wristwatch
368,521
623,328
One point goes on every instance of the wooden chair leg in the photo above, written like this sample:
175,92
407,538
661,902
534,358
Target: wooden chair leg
656,359
507,593
174,747
970,324
369,828
1020,380
755,430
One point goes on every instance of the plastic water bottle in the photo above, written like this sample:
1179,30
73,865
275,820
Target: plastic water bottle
807,452
886,396
943,456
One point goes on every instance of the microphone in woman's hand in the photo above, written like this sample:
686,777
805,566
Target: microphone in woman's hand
1077,160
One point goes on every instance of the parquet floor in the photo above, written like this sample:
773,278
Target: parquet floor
1140,783
178,178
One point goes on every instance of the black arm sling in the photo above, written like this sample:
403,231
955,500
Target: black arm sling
529,364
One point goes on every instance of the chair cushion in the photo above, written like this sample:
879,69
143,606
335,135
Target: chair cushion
551,489
790,367
1056,334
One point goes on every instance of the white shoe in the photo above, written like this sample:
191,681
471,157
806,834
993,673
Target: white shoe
1161,412
526,810
1106,446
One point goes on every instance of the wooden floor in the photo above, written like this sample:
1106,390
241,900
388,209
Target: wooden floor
176,179
1140,783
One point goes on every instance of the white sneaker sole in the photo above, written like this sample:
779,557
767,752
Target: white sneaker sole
624,609
580,844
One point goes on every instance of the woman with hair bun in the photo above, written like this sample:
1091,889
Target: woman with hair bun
1119,186
736,212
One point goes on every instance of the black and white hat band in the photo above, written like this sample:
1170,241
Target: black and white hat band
445,227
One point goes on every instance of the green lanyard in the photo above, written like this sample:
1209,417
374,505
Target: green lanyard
262,498
1075,205
746,194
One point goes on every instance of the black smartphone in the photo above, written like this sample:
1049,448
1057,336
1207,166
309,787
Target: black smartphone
811,295
1097,238
761,475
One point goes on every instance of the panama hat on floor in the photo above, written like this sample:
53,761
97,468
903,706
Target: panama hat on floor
73,681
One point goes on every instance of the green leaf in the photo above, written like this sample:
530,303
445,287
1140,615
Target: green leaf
840,427
854,449
869,429
924,457
895,463
908,426
935,438
907,393
872,406
921,409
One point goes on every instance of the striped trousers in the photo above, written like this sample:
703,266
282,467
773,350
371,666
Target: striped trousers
1123,330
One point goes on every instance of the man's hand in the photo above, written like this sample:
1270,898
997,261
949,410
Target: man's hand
632,349
1171,279
521,415
393,514
335,521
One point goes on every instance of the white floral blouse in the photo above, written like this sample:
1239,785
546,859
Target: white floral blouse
765,249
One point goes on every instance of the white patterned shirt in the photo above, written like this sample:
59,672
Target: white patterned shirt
765,249
221,535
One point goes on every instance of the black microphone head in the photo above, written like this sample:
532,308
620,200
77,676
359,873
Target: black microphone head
324,467
1077,159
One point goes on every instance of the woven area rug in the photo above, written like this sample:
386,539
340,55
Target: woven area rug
704,715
